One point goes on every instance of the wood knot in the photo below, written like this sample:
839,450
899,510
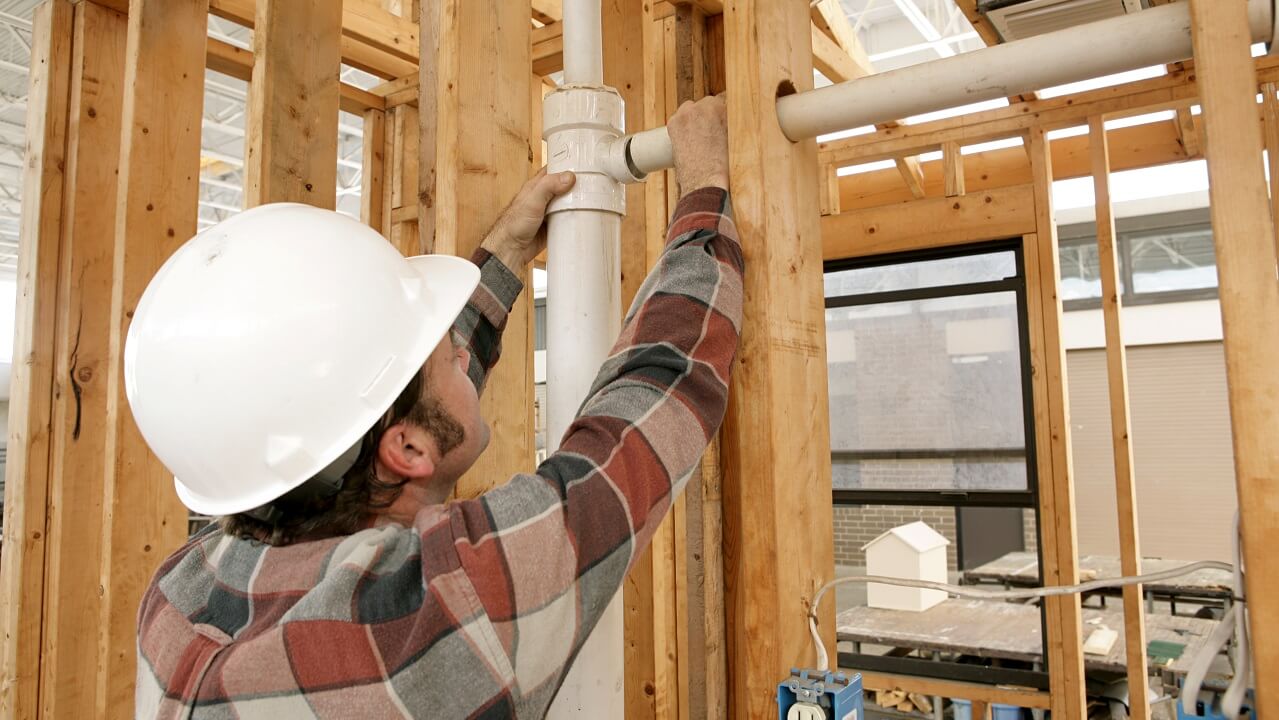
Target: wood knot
84,374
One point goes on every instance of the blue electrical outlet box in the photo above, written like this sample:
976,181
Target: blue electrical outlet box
816,695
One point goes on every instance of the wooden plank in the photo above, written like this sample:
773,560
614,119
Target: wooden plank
1246,265
373,39
402,207
79,456
831,60
373,175
913,174
953,169
1270,112
291,146
26,482
954,689
776,441
831,18
931,223
666,8
1057,528
550,9
1175,90
984,28
548,49
828,192
470,134
1120,424
159,167
1188,133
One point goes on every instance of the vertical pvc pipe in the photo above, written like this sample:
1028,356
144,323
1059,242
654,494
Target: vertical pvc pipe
583,304
583,43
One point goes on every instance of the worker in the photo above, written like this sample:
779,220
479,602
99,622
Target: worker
320,394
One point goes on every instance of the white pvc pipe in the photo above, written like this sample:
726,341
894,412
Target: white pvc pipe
583,43
1156,36
583,319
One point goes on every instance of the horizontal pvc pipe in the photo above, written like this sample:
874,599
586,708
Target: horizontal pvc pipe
583,43
1156,36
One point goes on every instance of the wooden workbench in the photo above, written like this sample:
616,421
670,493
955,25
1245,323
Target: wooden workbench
1007,631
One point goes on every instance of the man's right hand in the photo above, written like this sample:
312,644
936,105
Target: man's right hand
699,135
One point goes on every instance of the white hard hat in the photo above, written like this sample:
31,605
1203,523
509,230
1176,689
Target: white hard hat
269,344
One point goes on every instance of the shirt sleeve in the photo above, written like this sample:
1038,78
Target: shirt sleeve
547,551
479,326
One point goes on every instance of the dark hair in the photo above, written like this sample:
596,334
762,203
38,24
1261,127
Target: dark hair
363,492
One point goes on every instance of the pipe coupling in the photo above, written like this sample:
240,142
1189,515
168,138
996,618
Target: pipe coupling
583,126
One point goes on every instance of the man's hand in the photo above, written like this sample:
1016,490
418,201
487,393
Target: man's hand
520,232
699,135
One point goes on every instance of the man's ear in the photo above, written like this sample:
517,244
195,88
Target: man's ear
406,450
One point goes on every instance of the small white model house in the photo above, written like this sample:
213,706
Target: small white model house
913,551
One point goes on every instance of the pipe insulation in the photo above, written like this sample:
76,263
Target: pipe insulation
1156,36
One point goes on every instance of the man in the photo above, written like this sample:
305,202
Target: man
302,382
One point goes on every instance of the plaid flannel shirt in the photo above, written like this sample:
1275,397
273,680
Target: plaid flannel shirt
478,609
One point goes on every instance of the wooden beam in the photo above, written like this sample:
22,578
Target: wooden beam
548,49
829,58
1270,112
831,18
552,10
1131,148
1057,530
776,440
953,689
1166,92
913,174
984,28
1246,266
373,39
290,154
401,214
1120,425
475,154
953,167
26,488
373,175
666,8
159,188
1188,134
929,224
236,62
80,456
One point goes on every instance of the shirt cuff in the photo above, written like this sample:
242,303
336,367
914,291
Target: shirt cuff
504,285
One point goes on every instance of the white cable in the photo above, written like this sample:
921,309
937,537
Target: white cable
823,661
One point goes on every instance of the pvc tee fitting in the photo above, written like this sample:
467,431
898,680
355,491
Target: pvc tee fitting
583,133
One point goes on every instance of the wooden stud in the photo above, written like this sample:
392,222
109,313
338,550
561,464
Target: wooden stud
1270,110
26,485
475,154
373,176
291,154
1120,425
1188,133
776,443
403,215
79,456
237,62
929,224
953,168
1246,267
829,190
159,188
1057,528
913,173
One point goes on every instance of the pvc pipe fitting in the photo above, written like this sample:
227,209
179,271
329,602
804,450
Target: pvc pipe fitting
583,127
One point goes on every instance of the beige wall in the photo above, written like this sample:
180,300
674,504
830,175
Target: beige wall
1181,445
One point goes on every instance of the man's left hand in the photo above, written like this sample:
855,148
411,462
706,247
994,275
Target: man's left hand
519,235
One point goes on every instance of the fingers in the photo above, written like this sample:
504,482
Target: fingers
544,188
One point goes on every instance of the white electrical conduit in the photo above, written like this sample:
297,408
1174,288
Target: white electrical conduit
1156,36
1224,629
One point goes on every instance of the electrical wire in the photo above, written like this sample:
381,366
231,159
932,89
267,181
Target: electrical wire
1236,621
823,661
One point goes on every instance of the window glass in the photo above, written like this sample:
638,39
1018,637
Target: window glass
986,267
1172,260
1080,273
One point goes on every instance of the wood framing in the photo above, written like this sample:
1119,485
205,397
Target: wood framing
776,442
475,154
1057,530
159,171
292,128
929,224
1270,113
1120,424
26,485
79,458
1244,236
953,689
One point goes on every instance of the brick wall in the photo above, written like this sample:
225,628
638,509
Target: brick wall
856,526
